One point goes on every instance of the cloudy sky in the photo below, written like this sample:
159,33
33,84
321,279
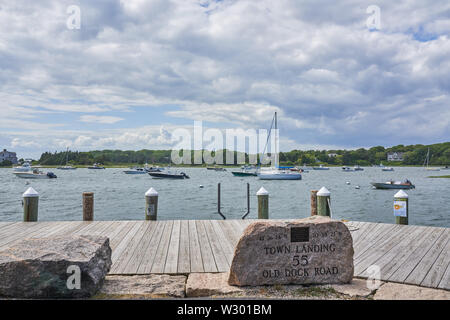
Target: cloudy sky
137,70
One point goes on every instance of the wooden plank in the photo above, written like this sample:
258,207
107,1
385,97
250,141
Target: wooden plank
363,229
145,266
415,256
195,253
445,282
133,242
161,253
171,265
376,235
124,243
227,246
140,250
437,271
184,265
216,247
421,270
23,232
394,259
209,264
230,232
379,249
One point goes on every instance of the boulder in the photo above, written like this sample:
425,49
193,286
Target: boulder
315,250
55,267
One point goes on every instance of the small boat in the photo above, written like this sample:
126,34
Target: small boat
387,169
393,185
216,168
321,167
35,174
96,166
347,169
445,168
135,171
244,173
358,168
168,175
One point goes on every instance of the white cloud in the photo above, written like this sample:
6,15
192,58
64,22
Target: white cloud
100,119
229,62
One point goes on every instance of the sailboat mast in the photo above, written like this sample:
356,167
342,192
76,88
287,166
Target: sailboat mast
276,141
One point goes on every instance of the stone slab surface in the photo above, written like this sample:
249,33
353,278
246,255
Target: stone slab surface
143,286
397,291
209,284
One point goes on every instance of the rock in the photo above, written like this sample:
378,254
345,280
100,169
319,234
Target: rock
143,286
397,291
209,284
48,267
315,250
356,288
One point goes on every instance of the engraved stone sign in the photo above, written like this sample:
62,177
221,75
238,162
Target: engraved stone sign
315,250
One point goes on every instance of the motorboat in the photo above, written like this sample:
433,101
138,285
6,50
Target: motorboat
321,167
35,174
216,168
168,175
394,185
244,173
387,169
135,171
347,169
96,166
358,168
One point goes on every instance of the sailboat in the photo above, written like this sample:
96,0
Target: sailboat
274,173
427,160
66,167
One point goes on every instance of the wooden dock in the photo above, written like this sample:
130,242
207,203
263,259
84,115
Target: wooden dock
406,254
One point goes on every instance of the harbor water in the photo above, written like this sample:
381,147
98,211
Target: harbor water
119,196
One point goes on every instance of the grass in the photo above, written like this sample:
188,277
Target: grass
447,177
315,292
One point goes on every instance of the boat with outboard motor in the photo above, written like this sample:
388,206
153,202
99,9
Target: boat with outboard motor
168,175
393,185
35,174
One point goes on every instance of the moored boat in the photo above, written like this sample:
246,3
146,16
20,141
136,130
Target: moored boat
321,167
96,166
35,174
394,185
168,175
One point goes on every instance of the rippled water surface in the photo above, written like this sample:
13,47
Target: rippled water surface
121,197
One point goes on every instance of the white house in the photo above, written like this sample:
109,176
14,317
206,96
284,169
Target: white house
8,156
395,156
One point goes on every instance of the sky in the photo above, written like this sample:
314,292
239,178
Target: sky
338,75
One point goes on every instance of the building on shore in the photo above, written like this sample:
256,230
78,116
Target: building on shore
8,156
395,156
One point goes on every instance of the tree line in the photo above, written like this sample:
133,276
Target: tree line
412,155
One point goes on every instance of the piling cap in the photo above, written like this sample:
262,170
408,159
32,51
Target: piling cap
151,192
262,192
30,193
323,192
401,194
